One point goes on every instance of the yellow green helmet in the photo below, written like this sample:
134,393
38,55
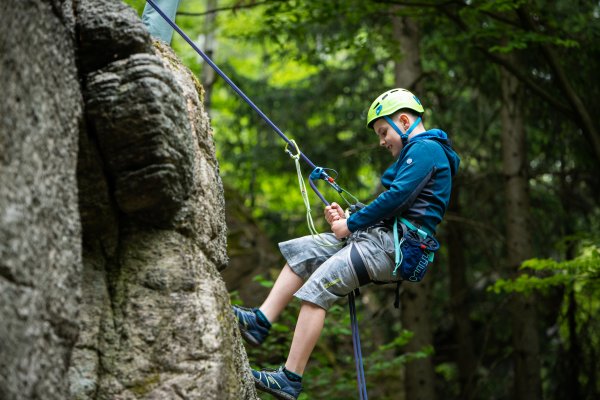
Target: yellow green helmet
391,101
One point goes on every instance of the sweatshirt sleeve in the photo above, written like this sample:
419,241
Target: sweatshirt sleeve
417,166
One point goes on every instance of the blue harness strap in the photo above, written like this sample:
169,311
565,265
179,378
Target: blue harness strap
403,136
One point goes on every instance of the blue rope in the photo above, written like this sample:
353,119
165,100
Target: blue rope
358,360
226,78
362,386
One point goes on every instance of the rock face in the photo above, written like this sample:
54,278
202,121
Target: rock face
40,232
112,222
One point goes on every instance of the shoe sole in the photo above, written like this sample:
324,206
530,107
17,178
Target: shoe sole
245,333
248,337
278,394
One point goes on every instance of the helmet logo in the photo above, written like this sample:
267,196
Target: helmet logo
378,109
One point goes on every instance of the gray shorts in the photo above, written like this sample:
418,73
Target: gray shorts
328,271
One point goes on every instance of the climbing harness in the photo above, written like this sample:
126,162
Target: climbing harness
317,173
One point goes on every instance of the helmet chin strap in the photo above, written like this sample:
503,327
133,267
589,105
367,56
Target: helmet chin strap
403,136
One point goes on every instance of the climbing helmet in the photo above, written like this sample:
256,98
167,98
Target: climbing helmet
391,101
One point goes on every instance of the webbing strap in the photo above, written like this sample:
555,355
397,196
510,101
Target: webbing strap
403,136
359,266
422,232
397,248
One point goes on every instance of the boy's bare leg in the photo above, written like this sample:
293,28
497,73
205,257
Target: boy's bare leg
281,294
308,329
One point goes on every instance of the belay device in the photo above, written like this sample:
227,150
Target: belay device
318,173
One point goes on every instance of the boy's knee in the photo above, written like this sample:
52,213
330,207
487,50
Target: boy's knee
313,306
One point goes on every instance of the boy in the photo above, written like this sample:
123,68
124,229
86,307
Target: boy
418,191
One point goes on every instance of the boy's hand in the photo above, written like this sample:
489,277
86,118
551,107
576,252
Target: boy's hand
334,212
340,228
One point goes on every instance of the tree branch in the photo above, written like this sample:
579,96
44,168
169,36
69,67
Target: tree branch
231,8
434,4
514,70
577,104
500,18
526,80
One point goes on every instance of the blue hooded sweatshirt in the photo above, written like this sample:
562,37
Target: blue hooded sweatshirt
418,184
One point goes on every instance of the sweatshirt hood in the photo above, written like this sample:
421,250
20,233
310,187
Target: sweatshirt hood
442,138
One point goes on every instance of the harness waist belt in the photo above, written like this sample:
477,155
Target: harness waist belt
359,267
422,231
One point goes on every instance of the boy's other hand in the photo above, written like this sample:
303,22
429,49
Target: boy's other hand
340,228
334,212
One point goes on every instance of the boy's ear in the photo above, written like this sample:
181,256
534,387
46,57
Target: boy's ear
404,120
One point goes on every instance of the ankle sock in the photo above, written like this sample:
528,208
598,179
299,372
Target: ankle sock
292,376
262,319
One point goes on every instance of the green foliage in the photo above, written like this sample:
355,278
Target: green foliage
582,271
577,324
137,5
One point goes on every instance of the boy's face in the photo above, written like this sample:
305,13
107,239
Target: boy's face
388,137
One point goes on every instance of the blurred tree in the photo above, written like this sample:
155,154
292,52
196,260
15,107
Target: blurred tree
523,311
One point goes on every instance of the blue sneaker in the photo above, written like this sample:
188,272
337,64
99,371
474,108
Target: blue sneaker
253,331
277,383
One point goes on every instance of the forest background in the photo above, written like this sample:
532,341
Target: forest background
509,309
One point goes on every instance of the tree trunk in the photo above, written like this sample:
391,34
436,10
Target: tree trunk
416,298
571,366
522,307
463,335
